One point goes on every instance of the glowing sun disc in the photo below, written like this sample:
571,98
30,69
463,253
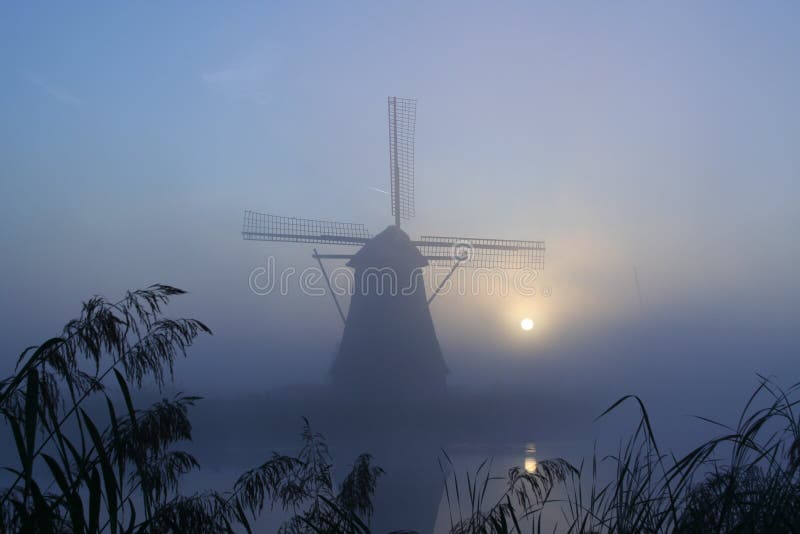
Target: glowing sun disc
526,324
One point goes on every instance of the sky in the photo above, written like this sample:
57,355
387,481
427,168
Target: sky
636,139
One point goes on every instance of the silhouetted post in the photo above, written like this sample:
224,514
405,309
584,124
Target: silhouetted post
328,283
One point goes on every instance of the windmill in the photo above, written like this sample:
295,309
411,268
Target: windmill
389,344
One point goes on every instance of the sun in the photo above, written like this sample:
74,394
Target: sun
526,324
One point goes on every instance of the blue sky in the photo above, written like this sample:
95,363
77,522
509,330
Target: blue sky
661,137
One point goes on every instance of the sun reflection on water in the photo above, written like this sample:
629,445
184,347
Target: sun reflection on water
530,462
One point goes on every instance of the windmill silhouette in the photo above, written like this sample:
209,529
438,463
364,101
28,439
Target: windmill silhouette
389,345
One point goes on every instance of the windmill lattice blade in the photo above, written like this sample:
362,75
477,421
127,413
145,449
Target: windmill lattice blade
264,227
483,253
402,122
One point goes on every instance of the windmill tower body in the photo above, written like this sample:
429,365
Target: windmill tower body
389,345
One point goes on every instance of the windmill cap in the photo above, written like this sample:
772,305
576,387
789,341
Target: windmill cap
390,248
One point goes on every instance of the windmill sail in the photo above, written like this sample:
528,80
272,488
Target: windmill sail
402,122
264,227
483,253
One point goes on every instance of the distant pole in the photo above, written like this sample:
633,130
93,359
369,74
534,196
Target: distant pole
638,287
396,165
328,282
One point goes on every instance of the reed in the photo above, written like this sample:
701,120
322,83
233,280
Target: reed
744,480
76,473
72,474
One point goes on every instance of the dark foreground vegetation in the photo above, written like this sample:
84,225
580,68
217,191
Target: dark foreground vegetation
72,475
120,471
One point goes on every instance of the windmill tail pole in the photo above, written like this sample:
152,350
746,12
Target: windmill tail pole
446,278
330,289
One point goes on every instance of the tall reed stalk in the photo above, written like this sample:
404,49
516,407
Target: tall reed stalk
73,474
746,479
